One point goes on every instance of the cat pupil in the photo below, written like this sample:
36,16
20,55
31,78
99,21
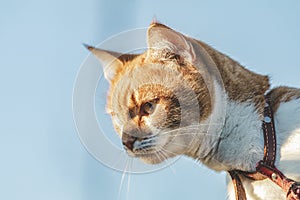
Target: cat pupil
148,108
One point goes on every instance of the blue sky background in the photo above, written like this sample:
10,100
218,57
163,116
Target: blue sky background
41,52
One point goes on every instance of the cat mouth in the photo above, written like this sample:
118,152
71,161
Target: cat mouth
152,153
150,146
155,157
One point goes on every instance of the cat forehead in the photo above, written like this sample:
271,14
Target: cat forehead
145,71
142,84
152,58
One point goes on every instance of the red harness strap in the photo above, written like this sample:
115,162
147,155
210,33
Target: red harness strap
266,168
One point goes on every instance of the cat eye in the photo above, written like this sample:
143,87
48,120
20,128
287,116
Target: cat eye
148,107
145,109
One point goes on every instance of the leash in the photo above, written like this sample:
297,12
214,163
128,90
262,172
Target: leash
266,168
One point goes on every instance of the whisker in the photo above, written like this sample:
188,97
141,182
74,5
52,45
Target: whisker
167,151
191,127
159,156
192,134
181,130
122,181
178,144
118,159
181,133
129,176
162,156
165,156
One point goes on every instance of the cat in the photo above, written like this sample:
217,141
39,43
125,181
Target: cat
162,103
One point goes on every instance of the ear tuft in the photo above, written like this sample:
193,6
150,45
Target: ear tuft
88,46
154,20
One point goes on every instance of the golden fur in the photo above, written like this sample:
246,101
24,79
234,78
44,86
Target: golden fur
157,96
162,103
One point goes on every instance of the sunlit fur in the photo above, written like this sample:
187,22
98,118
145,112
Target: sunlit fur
171,101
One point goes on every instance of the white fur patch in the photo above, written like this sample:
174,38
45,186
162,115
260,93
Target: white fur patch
241,139
287,124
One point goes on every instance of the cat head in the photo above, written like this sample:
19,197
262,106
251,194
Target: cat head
158,98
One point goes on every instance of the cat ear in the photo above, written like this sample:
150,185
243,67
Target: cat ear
161,37
111,61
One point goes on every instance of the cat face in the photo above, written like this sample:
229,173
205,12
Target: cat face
157,99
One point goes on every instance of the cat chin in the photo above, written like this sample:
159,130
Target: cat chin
155,158
152,159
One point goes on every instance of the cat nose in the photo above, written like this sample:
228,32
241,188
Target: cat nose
128,141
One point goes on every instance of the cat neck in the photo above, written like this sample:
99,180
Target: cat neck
240,145
241,84
236,144
240,142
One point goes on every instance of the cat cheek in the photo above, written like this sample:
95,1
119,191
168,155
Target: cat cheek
158,117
